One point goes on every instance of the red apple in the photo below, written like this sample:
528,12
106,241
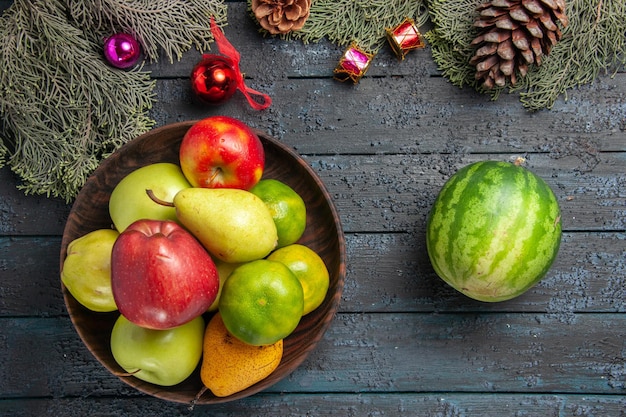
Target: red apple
161,276
222,152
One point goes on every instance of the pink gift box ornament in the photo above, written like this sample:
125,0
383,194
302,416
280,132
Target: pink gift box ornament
353,64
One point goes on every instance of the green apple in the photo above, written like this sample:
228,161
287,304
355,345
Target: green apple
86,270
162,357
130,202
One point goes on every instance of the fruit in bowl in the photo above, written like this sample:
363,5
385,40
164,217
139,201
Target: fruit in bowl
286,207
323,234
86,272
262,302
161,276
222,152
234,225
129,201
163,357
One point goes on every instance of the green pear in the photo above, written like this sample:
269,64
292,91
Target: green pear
86,271
223,270
234,225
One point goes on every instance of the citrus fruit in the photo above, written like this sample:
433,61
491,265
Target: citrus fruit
261,302
309,268
287,208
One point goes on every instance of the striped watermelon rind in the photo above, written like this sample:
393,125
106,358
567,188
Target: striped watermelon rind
493,231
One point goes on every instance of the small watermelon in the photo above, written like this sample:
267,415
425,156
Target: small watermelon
494,230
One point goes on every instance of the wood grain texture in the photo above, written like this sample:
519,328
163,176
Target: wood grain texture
371,353
405,115
587,276
444,404
383,193
297,405
393,192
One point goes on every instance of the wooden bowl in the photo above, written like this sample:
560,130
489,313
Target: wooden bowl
323,234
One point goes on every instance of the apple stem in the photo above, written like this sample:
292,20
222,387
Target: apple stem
158,200
216,173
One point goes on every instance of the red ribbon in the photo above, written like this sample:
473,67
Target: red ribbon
257,100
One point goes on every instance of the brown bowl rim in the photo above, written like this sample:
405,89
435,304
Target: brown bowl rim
333,299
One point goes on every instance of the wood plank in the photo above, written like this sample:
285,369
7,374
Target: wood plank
399,352
64,365
401,115
272,58
467,353
267,58
403,342
392,273
29,273
425,111
362,404
28,215
386,193
387,272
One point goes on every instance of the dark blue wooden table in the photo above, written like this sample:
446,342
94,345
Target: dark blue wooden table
403,343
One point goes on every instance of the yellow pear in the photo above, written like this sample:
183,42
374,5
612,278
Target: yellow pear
86,270
233,225
230,365
223,270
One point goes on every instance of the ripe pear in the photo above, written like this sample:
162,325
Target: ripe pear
230,365
223,270
86,271
234,225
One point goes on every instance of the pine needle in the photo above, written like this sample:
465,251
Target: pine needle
160,25
363,21
593,42
62,108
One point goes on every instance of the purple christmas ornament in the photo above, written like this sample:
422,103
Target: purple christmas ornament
122,50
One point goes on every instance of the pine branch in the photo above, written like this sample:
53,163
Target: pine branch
593,42
62,109
363,21
453,18
450,41
175,26
451,57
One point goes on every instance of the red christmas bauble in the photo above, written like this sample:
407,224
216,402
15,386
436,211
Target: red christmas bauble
213,79
122,50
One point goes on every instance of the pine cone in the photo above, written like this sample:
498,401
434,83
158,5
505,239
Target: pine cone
281,16
514,34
